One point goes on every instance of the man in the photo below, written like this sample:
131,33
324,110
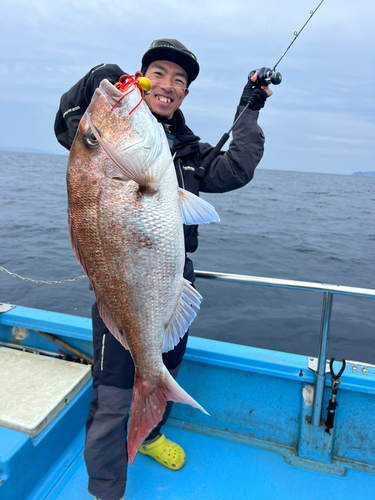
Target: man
171,68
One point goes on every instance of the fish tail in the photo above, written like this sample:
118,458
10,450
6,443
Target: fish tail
148,407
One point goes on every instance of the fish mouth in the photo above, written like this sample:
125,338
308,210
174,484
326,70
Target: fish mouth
115,97
110,92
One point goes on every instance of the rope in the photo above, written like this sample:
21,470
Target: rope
39,281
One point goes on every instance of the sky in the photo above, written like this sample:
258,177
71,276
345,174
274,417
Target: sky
320,119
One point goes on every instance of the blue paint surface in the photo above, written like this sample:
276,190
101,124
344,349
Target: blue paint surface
256,443
222,470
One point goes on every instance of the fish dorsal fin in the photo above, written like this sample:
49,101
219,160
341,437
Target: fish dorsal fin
195,210
183,317
131,162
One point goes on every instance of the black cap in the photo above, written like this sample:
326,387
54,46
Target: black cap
168,49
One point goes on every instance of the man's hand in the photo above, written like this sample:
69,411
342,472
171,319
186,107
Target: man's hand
263,87
257,95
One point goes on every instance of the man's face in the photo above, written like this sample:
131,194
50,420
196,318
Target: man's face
168,90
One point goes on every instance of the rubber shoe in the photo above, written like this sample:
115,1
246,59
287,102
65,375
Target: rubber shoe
167,453
99,498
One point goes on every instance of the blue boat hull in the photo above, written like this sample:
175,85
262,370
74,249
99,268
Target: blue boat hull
258,441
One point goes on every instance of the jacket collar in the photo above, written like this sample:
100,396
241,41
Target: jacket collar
187,141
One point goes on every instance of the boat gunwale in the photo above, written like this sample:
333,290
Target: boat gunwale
289,284
200,350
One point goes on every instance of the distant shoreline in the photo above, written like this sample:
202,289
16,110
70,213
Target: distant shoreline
40,151
365,174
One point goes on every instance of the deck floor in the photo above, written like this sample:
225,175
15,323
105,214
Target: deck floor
217,469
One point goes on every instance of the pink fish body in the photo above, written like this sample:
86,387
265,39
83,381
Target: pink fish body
126,216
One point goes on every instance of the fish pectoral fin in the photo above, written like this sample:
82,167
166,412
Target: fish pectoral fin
148,406
109,323
195,210
183,317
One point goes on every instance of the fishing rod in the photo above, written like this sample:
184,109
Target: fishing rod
265,76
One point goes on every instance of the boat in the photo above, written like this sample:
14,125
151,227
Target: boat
281,425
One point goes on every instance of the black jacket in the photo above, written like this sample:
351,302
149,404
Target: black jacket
230,170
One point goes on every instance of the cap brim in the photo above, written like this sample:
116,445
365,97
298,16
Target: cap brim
187,62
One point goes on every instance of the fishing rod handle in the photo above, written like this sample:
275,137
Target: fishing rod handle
200,173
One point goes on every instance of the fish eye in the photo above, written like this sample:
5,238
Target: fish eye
91,139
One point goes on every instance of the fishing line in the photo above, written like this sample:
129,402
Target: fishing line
38,281
266,32
296,34
168,86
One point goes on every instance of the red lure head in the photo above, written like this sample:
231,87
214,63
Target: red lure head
128,83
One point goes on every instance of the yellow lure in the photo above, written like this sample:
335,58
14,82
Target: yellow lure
145,83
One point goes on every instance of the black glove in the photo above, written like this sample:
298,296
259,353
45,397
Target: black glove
254,94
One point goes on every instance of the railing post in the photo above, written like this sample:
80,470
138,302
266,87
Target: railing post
322,357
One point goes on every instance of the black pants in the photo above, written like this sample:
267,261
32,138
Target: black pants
106,429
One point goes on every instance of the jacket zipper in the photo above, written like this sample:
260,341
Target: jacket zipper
102,354
182,177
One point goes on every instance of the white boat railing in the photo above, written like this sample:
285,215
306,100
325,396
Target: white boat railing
328,292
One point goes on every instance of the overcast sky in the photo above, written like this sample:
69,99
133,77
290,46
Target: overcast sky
320,119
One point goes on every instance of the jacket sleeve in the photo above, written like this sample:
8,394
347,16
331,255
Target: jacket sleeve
235,168
75,101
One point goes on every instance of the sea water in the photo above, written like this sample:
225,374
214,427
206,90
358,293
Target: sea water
287,225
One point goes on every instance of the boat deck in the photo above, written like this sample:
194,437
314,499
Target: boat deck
257,443
219,469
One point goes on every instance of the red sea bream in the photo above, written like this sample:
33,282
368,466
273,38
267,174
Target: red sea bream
126,215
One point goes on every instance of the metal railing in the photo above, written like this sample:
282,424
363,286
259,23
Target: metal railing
328,291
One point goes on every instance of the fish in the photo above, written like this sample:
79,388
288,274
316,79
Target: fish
126,214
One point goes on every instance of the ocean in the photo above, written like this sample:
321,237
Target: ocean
289,225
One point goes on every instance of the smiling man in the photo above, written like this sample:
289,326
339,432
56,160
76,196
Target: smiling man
169,88
171,68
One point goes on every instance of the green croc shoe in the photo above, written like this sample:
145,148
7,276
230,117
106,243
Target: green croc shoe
167,453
